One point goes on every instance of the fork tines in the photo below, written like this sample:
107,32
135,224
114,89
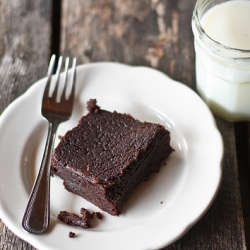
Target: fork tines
57,90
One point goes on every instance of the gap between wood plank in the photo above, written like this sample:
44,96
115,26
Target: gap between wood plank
56,27
242,147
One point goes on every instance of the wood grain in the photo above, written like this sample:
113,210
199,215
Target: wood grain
25,46
150,33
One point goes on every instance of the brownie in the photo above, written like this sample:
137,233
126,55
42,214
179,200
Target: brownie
74,219
71,234
83,220
107,155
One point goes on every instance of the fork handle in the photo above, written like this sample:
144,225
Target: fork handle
37,214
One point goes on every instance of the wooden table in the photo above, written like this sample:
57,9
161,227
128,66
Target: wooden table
152,33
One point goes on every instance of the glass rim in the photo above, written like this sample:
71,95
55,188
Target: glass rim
216,44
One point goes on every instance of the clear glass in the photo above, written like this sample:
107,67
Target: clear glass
222,73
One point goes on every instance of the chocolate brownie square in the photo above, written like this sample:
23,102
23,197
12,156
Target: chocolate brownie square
107,155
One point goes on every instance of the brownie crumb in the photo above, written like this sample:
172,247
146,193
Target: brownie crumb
83,221
86,215
74,219
85,212
71,235
98,215
92,107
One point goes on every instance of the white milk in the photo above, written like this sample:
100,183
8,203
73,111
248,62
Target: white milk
229,24
223,57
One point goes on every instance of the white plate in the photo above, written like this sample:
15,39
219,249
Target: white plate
162,209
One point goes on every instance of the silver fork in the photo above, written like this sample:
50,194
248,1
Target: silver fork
55,109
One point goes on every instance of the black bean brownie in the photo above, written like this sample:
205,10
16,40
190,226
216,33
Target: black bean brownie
107,155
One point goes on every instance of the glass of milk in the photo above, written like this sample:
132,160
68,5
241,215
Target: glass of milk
222,45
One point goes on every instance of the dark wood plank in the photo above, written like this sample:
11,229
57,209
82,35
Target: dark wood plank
158,34
25,46
25,32
243,154
150,33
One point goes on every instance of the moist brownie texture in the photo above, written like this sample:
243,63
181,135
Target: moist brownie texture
107,155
